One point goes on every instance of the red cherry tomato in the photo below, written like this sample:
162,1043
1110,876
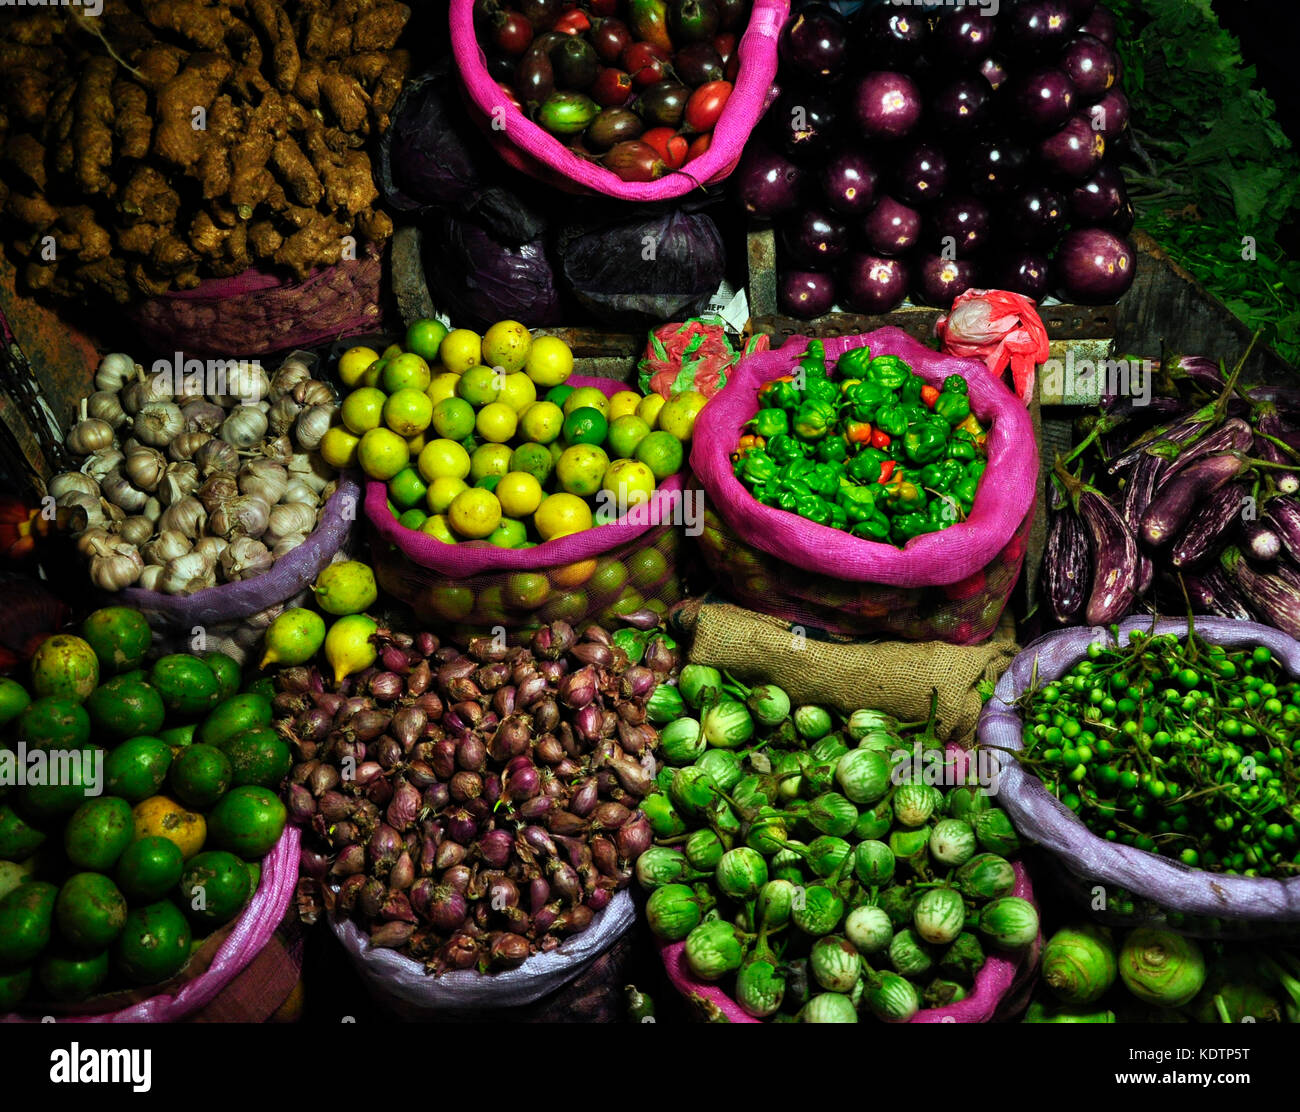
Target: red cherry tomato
706,104
573,23
612,88
645,62
698,146
512,33
670,146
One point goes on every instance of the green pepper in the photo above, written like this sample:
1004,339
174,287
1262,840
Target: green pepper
784,448
924,444
822,390
770,422
787,500
907,526
853,363
816,510
965,491
942,512
833,450
859,502
814,419
825,480
866,466
975,469
780,395
960,449
904,495
931,477
951,472
889,371
759,467
952,407
911,391
955,384
796,469
797,487
891,418
768,494
873,528
866,398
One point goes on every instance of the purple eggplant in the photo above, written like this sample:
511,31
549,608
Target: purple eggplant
1275,599
1232,436
1261,542
1178,497
1210,593
1138,492
1270,429
1114,560
1176,432
1287,482
1208,526
1200,370
1283,516
1067,572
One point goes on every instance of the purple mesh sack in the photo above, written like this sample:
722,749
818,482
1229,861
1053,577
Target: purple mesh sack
948,586
1184,896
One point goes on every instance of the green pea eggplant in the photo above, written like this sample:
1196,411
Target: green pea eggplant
813,722
963,958
952,842
940,993
995,833
713,950
986,876
673,912
760,988
664,705
1079,964
939,916
831,813
682,742
829,1007
910,954
869,929
873,863
1010,923
703,850
769,705
891,998
819,911
724,765
835,964
660,865
741,873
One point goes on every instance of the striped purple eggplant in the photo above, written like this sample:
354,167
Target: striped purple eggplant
1283,516
1232,436
1175,432
1178,497
1208,526
1138,492
1270,429
1200,370
1209,592
1067,571
1114,560
1261,542
1275,599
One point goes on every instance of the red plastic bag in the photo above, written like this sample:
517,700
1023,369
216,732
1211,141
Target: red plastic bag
686,355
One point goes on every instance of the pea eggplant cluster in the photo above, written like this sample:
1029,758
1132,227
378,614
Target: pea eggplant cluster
804,863
878,452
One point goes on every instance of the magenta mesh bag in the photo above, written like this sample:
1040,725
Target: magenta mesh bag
535,151
252,931
1193,900
949,586
594,575
996,985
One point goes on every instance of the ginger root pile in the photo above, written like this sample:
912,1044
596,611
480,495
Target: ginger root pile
169,141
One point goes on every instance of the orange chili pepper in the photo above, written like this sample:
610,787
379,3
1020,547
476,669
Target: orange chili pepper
886,470
858,432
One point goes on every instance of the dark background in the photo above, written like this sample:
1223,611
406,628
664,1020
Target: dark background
1267,30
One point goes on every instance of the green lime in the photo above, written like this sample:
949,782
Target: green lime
608,580
406,371
453,604
569,607
625,433
662,453
70,978
149,868
14,699
178,736
123,708
294,637
525,590
559,394
424,337
535,459
14,987
257,756
406,488
248,821
510,533
480,385
136,769
235,715
214,886
64,665
585,425
90,911
413,518
154,944
226,669
97,833
646,567
453,418
54,722
488,482
200,775
120,637
187,685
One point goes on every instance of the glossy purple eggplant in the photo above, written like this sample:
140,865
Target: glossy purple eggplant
1179,497
1232,436
1209,527
805,293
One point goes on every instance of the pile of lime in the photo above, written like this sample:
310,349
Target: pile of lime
343,590
482,438
143,797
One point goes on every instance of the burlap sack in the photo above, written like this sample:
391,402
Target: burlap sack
890,676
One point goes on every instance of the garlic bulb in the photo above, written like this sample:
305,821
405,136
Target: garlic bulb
102,463
245,558
244,427
150,578
90,434
309,468
282,414
246,384
186,516
167,545
115,370
263,618
245,516
311,426
112,510
313,392
135,530
217,490
265,479
291,372
114,565
146,390
329,490
290,517
145,468
287,544
69,482
185,445
298,491
216,457
202,416
158,423
211,547
93,508
118,490
103,405
181,479
96,534
279,450
187,574
152,510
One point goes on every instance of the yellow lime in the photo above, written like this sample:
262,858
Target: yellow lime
415,444
622,404
408,411
519,493
518,391
662,453
453,418
443,458
625,433
372,374
293,637
496,422
542,422
353,364
382,453
508,534
338,447
391,352
678,414
534,459
581,468
348,646
480,385
436,526
649,408
550,361
441,491
573,575
443,386
556,448
363,409
474,513
630,482
424,337
587,396
460,350
585,425
347,587
406,372
406,488
489,459
561,514
506,345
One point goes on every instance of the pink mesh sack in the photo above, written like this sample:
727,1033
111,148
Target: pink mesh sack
596,575
529,148
947,586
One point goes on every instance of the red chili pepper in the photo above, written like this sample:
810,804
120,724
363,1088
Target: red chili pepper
929,395
573,23
880,440
886,470
858,432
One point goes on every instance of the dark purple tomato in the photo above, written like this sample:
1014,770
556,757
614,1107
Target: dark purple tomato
1024,272
698,64
1101,24
1037,27
802,123
768,182
1110,115
805,293
995,168
502,67
938,281
1101,199
1082,9
964,36
1036,216
995,72
1043,100
814,42
966,221
891,228
1075,151
848,182
1094,266
873,284
892,38
920,174
813,239
887,105
961,107
1091,64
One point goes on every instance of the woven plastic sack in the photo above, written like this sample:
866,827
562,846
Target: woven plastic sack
528,147
996,984
232,616
582,578
403,985
947,586
1193,900
244,941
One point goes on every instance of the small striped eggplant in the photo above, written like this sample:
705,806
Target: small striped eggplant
1179,497
1273,599
1208,526
1067,573
1114,560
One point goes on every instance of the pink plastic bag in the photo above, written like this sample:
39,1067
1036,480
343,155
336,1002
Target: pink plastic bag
251,932
947,586
529,148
